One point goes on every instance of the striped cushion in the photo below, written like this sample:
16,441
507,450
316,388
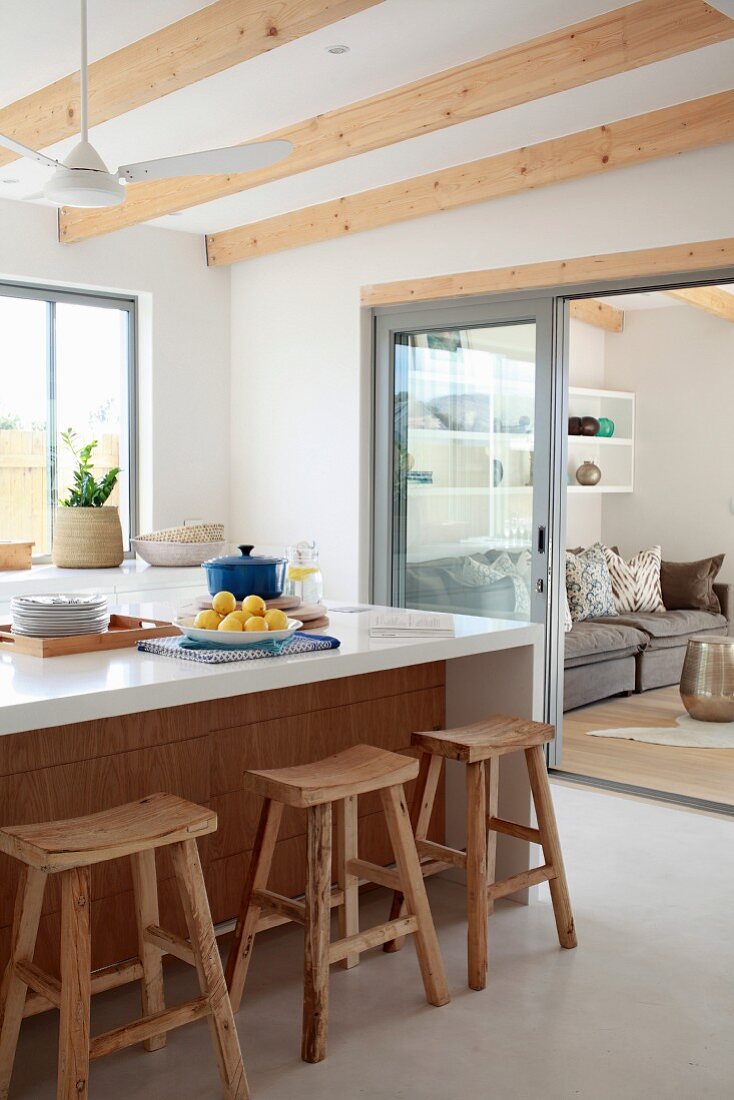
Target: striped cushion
636,583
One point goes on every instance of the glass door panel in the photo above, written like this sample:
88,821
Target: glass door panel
464,449
462,446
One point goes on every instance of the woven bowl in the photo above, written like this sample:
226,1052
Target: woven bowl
172,554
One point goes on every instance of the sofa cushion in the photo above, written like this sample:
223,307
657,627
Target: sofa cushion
671,628
636,583
588,584
592,641
690,584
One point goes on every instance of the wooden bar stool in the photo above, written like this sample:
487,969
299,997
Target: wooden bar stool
69,849
480,746
315,787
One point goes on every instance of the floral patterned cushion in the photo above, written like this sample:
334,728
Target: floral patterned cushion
588,584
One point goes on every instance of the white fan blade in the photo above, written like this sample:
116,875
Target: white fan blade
25,151
210,162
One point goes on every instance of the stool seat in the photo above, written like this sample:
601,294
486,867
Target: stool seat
496,736
150,822
355,771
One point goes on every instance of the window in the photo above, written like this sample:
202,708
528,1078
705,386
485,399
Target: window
66,361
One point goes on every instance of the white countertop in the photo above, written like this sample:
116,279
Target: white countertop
36,693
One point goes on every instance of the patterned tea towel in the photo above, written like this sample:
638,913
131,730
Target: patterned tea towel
213,654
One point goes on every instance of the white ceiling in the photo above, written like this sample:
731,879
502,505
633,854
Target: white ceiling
390,44
650,299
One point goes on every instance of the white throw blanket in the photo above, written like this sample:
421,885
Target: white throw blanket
686,733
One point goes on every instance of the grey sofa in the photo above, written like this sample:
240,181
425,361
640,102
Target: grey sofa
636,651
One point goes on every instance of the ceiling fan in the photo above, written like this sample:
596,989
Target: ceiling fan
84,180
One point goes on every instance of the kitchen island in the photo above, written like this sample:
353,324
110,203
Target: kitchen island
82,733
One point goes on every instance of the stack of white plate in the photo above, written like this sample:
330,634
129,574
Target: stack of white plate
59,616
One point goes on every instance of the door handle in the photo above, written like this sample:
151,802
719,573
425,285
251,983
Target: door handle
539,585
541,540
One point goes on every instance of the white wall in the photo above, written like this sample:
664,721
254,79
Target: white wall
300,427
680,364
586,369
184,348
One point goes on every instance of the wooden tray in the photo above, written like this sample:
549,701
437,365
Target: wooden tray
124,630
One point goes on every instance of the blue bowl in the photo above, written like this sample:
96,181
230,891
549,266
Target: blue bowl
246,575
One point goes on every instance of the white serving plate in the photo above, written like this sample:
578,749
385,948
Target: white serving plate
237,638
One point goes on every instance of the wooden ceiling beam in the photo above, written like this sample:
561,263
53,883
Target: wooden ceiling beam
711,299
665,133
617,41
675,259
593,312
206,42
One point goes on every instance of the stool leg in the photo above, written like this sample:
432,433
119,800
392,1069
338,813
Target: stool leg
476,874
414,888
317,934
551,844
240,952
493,789
76,984
192,892
27,914
347,834
421,812
145,890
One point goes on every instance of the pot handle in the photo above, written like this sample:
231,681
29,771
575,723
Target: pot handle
246,550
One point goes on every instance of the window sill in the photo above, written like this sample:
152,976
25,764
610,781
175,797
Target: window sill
131,576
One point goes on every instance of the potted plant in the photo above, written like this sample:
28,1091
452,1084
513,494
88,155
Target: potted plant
87,532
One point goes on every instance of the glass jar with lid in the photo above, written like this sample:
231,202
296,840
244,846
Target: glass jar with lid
303,573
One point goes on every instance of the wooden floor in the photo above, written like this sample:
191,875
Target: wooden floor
699,773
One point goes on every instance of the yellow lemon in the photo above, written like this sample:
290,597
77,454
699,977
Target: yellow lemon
256,622
224,603
254,604
207,620
276,619
243,616
230,622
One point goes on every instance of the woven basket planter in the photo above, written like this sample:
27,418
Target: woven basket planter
87,538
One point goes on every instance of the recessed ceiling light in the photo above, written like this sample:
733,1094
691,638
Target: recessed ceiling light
10,180
337,49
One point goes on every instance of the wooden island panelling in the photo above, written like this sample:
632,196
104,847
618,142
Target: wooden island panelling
200,752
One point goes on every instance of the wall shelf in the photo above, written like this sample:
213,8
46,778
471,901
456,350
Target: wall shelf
615,455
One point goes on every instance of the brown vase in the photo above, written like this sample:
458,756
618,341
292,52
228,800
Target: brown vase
589,425
87,538
588,473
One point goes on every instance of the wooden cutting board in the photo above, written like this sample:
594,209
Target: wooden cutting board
285,603
307,613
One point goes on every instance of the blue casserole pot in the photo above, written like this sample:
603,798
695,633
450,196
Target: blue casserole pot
245,575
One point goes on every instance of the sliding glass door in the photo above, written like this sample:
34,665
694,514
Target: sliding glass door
462,458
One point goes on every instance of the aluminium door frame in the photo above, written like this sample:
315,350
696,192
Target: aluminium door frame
466,313
560,297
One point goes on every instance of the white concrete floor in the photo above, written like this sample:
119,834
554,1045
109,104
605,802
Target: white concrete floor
643,1008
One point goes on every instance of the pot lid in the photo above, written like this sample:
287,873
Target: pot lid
245,557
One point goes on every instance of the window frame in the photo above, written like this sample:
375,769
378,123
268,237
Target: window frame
52,296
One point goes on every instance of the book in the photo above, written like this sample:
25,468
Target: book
411,624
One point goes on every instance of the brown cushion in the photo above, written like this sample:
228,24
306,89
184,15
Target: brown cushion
690,584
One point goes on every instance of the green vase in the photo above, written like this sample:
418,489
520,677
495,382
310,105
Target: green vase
606,427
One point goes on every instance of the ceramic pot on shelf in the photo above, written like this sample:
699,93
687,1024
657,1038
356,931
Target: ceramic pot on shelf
588,473
589,425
